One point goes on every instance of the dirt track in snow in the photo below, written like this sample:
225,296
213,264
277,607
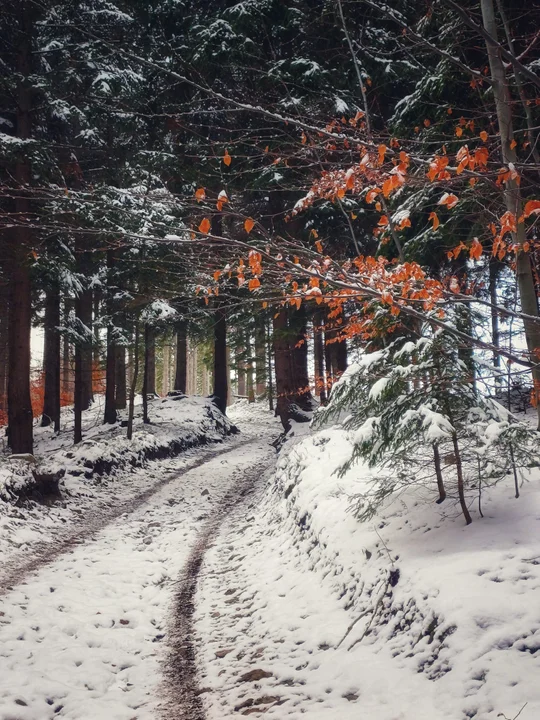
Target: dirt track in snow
15,573
181,671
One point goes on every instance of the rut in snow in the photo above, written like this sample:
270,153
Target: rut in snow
182,689
47,553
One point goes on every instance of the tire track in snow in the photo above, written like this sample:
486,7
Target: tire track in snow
183,691
48,552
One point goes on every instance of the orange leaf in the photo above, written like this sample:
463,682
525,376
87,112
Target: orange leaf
249,225
532,207
476,249
435,218
383,221
513,144
318,245
382,152
200,194
459,131
254,283
217,275
449,199
205,226
372,194
483,136
265,304
227,158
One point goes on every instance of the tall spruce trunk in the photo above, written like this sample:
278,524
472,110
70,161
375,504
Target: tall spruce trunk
318,352
282,368
134,380
298,354
495,329
180,375
149,373
166,368
4,344
120,378
110,415
20,431
260,357
221,380
51,360
150,360
512,195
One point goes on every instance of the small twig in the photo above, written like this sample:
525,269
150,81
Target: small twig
515,716
385,547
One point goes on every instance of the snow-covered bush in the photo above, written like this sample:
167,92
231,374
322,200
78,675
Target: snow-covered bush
413,411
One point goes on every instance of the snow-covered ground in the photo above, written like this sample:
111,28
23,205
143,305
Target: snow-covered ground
176,423
84,629
303,611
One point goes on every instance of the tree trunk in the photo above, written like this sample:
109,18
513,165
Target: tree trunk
341,357
282,368
51,360
260,357
66,387
318,352
149,374
298,353
250,389
495,329
438,473
134,380
20,431
269,354
220,359
461,483
512,195
240,372
180,376
4,342
150,359
110,416
120,378
166,368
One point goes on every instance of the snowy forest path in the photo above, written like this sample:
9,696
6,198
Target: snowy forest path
84,633
15,570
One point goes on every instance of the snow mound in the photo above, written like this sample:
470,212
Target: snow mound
177,423
409,612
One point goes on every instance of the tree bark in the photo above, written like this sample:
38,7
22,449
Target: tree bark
461,483
4,343
282,368
149,375
512,195
495,329
318,351
221,383
51,360
120,378
150,359
134,380
298,354
20,430
110,415
260,357
180,376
